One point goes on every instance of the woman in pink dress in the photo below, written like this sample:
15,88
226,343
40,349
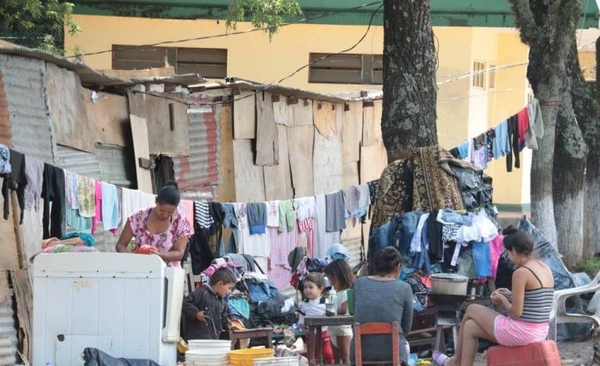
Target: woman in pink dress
161,227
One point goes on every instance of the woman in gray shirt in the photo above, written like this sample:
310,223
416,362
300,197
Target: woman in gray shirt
383,298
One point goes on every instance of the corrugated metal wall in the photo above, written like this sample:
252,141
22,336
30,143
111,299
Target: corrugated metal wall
8,333
29,114
199,172
117,165
111,164
76,161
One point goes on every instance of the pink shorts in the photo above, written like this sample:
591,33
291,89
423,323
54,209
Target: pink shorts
512,332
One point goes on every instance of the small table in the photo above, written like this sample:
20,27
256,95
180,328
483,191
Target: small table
313,326
236,334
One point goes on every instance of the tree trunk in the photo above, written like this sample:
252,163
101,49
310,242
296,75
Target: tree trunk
409,82
578,105
587,109
548,29
569,165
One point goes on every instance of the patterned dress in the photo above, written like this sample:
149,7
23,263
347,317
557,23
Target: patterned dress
164,241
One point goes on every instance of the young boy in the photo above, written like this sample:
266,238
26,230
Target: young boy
204,310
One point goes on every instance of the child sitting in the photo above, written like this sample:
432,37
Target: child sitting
314,304
204,310
341,277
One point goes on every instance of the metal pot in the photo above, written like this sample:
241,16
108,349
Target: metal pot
449,284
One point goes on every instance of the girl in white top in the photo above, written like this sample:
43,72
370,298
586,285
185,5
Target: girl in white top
341,277
314,304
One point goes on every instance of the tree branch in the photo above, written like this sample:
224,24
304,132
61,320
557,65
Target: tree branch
525,21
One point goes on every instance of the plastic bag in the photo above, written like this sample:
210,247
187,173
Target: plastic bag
96,357
465,264
544,250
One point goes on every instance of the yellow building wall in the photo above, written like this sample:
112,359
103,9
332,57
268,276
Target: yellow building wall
250,56
454,48
463,111
508,97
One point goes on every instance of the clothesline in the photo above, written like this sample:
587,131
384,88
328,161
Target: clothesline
508,138
81,202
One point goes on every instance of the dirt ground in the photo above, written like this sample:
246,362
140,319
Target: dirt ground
571,353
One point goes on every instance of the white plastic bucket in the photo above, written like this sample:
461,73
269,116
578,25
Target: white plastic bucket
209,343
277,361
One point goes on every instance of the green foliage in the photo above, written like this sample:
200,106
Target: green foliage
590,266
268,14
37,24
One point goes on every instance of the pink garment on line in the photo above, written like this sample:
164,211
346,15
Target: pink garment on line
307,227
496,248
522,125
98,216
282,243
188,212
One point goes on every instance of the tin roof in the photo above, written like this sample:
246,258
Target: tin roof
243,84
97,79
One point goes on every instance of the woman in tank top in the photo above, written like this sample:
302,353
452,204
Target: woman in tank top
527,306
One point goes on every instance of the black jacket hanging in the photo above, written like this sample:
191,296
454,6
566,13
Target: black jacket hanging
16,181
513,138
53,191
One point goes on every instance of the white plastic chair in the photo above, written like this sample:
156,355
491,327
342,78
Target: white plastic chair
559,314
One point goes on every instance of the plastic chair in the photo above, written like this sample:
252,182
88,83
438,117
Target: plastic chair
559,314
377,328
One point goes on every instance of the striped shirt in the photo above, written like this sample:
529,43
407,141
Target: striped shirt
202,214
537,305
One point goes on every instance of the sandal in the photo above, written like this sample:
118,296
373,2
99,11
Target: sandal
439,358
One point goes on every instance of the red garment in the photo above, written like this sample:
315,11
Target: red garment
523,126
326,348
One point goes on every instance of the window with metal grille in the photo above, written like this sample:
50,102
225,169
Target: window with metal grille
345,68
208,62
479,74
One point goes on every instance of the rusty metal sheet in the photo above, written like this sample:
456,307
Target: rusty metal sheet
5,130
9,260
23,80
167,121
67,109
8,330
200,170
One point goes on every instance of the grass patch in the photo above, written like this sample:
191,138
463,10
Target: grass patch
590,266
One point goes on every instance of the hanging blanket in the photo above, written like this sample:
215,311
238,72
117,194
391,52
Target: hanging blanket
394,193
435,186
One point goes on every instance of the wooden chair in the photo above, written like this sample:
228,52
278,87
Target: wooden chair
377,328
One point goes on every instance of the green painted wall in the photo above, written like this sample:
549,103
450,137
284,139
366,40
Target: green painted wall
473,13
